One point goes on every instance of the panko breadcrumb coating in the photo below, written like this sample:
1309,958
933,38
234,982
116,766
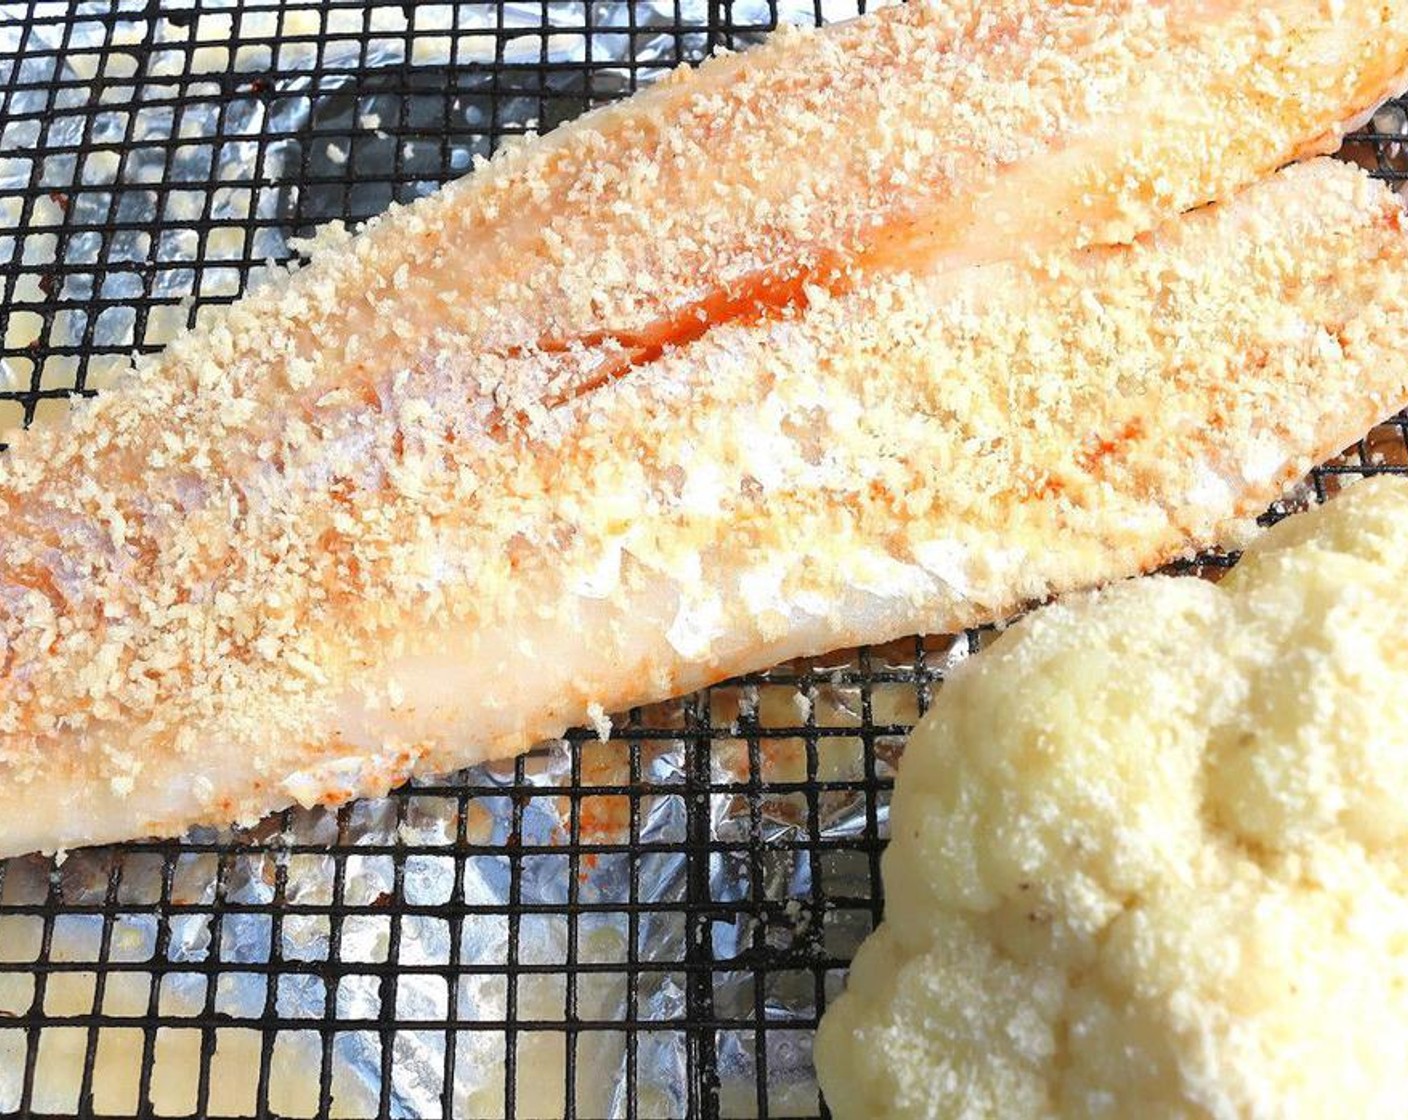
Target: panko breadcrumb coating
704,380
1149,854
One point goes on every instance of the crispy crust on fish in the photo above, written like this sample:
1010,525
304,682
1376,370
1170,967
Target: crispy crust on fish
273,562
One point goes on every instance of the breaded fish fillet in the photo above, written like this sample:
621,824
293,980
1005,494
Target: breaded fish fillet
972,128
976,128
225,608
343,528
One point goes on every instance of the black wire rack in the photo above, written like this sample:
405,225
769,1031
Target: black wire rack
646,927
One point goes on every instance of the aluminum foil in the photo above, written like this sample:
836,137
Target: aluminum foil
238,159
429,826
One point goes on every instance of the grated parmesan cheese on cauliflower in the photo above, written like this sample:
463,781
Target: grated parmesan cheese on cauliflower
1150,854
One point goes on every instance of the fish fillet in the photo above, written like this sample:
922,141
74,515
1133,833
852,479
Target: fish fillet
341,530
974,128
214,615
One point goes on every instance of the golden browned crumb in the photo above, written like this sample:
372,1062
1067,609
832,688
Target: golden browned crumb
242,575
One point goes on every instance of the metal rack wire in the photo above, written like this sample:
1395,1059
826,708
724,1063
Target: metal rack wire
649,927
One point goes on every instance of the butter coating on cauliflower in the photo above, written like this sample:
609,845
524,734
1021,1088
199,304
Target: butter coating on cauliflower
1149,853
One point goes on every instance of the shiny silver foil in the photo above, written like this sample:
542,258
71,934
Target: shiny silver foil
276,882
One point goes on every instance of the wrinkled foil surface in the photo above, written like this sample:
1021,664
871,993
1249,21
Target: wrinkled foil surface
276,881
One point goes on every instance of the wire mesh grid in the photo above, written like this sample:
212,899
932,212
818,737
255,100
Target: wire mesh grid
645,927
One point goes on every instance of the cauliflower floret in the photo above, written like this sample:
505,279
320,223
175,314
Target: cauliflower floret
1149,854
